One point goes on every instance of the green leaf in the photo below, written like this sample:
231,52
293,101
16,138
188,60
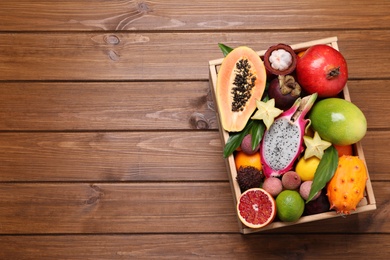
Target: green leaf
225,49
235,139
232,144
325,171
257,132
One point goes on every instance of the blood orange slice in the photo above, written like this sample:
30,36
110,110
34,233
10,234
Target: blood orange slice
256,208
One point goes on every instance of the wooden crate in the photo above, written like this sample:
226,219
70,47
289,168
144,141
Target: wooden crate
368,202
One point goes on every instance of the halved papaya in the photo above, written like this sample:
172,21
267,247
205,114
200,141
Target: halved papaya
241,80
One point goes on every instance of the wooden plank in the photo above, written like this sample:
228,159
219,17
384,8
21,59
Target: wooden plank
111,156
373,98
106,106
137,156
164,56
375,144
196,15
183,207
116,208
140,105
181,246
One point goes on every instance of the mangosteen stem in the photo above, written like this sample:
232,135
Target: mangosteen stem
288,85
333,73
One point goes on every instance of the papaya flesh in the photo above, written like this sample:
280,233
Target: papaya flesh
241,80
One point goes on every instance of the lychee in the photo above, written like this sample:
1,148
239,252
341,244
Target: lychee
246,145
291,180
273,185
305,188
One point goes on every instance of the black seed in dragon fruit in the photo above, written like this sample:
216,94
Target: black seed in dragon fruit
283,141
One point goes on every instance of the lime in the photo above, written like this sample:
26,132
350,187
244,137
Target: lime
307,168
289,205
338,121
256,208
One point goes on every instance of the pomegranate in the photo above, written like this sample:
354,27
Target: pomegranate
322,70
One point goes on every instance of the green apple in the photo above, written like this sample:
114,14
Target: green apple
338,121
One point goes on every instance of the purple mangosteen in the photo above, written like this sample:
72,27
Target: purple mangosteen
285,90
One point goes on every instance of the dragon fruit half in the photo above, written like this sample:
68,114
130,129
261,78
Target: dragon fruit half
283,141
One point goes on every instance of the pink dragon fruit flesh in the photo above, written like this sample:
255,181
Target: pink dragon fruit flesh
283,142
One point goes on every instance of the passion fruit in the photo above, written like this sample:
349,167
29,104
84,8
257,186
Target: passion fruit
338,121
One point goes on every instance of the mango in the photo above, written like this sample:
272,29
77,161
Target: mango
338,121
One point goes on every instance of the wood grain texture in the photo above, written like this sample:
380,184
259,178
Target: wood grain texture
112,156
372,97
116,208
109,145
198,246
112,106
121,56
137,156
106,106
195,15
82,208
376,154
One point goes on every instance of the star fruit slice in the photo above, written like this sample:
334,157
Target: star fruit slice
267,112
315,146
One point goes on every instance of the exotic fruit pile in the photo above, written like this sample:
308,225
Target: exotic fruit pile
291,132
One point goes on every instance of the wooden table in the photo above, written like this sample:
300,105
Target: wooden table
109,145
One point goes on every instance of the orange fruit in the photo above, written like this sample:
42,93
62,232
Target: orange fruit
243,159
256,208
344,149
